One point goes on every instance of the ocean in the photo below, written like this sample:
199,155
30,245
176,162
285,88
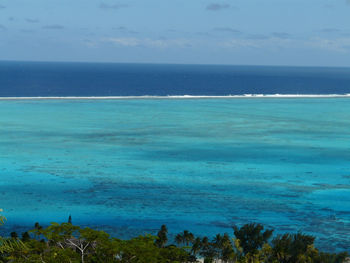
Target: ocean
203,164
28,79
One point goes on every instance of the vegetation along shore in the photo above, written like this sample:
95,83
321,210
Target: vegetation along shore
250,243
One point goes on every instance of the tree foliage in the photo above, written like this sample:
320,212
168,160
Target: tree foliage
2,218
66,243
252,237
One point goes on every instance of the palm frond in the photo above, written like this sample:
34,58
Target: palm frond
8,245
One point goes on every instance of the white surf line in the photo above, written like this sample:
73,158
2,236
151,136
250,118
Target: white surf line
180,97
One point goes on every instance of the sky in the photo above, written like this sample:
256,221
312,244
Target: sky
238,32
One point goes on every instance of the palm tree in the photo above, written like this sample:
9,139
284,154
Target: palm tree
184,238
289,247
218,241
2,218
189,237
179,239
205,242
252,237
217,245
162,237
196,246
37,230
14,235
227,251
9,245
207,250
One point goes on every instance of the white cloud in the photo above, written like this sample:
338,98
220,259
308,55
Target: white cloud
272,43
240,43
123,41
89,43
268,42
147,42
338,44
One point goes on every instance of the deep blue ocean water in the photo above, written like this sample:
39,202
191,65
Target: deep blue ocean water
89,79
128,166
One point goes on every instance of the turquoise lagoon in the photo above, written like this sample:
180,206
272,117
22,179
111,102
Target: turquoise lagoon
128,166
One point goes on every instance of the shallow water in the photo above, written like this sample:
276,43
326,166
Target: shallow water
128,166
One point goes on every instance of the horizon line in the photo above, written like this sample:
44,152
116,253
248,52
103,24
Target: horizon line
172,63
147,97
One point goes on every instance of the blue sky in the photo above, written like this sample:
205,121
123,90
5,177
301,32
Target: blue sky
243,32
